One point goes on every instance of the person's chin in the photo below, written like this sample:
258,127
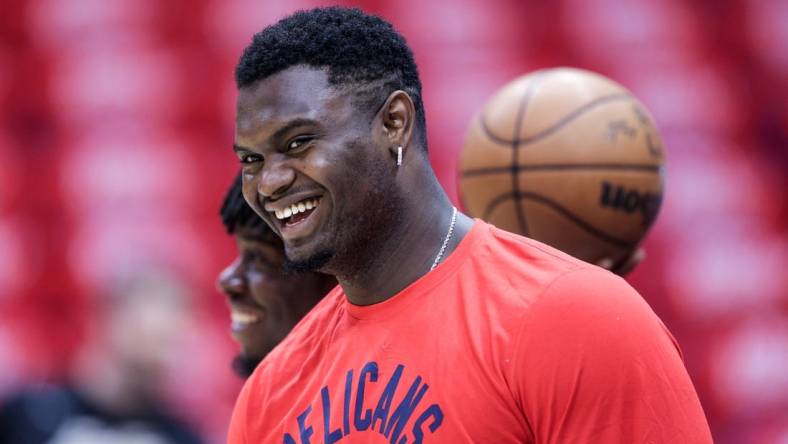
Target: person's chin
302,261
244,364
248,334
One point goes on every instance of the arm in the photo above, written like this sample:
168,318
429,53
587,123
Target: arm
595,364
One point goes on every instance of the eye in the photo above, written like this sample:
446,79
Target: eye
250,158
298,142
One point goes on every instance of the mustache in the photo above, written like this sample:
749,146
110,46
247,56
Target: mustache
306,189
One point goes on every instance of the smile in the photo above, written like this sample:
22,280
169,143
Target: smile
241,319
296,212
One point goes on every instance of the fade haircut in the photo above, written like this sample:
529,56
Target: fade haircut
359,51
236,215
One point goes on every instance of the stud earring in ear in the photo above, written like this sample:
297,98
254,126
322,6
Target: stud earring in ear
399,155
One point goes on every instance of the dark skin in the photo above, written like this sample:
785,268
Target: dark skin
265,303
378,227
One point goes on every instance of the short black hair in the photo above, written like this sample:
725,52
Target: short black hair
236,214
355,48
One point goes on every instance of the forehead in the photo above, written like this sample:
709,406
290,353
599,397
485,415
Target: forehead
299,92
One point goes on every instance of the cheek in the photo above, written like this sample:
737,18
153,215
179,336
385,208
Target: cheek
318,163
249,187
355,165
269,293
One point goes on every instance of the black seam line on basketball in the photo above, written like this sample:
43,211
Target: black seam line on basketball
560,166
518,124
556,206
563,121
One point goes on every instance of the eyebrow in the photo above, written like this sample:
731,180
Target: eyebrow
279,133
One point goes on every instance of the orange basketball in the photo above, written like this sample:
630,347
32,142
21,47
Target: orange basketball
567,157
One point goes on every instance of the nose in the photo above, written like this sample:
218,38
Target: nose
276,178
231,281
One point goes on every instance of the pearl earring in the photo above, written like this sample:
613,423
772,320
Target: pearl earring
399,155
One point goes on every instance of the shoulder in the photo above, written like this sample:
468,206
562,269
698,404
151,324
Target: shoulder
515,249
509,253
544,296
593,297
592,361
544,272
304,339
515,268
591,312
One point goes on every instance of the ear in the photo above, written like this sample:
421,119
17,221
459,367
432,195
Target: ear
396,117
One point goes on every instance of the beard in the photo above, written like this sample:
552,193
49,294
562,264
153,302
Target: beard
314,262
359,235
244,365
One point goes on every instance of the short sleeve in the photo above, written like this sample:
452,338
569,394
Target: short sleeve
594,363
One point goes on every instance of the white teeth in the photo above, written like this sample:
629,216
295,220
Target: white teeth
296,208
243,318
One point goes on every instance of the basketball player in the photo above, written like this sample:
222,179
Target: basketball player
443,329
264,303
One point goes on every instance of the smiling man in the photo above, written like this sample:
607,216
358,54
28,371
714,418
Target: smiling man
265,303
443,329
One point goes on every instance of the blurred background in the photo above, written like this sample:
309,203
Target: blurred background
116,125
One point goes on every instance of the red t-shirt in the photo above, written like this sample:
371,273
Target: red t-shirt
507,341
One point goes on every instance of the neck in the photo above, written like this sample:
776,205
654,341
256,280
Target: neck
411,247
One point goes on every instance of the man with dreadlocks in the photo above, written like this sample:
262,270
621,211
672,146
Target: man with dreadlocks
264,302
442,329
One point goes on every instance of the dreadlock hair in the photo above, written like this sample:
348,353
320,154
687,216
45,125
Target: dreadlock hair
236,214
359,51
